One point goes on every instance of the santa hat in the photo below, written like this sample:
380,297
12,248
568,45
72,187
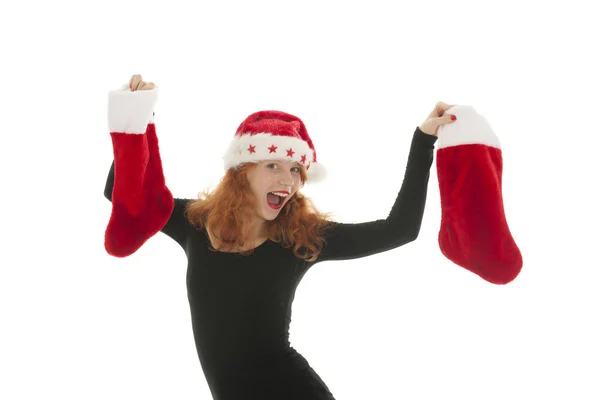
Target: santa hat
474,233
274,135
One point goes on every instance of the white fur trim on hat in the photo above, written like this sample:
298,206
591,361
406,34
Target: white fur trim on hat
131,111
469,128
317,173
262,146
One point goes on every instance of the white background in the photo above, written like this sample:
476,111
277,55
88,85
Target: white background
77,323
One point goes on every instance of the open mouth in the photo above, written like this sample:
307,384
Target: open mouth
275,201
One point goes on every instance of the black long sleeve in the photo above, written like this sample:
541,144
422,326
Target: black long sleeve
347,241
110,182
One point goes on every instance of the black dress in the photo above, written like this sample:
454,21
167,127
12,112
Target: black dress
241,305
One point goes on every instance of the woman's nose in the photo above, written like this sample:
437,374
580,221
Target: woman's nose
286,178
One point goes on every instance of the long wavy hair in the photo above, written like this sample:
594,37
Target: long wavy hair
231,206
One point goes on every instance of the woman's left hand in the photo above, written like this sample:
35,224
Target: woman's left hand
436,118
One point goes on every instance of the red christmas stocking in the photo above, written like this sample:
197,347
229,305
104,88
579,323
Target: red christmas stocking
474,233
141,202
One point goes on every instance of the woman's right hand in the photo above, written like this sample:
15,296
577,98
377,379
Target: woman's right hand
136,83
436,118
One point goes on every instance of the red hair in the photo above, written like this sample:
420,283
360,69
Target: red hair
232,207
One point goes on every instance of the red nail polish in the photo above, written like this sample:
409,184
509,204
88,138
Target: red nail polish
453,118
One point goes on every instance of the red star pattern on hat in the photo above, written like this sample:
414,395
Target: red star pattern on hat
251,149
290,152
272,148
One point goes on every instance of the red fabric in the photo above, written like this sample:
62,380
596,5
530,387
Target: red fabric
474,233
141,202
278,123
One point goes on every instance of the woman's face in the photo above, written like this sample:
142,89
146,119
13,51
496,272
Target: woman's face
270,178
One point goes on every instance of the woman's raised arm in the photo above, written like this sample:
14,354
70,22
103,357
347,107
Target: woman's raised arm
354,240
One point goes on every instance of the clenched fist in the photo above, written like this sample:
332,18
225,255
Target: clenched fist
136,83
437,118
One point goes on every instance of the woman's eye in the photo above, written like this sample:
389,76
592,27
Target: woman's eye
274,165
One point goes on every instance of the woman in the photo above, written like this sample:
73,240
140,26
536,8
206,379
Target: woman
250,241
